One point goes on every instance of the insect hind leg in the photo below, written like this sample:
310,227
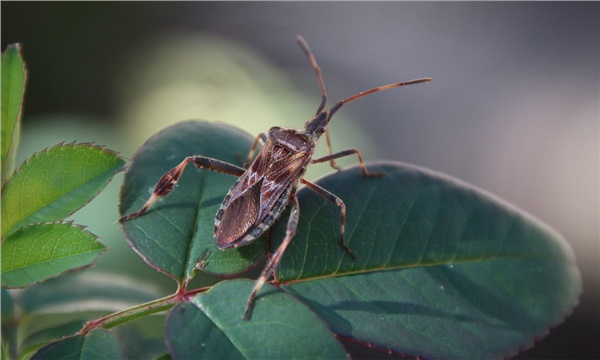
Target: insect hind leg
339,202
166,184
276,258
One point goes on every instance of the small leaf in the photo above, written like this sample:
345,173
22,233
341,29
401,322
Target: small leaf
54,183
49,328
176,233
7,305
60,307
37,252
9,328
5,354
85,291
98,344
280,328
443,270
14,76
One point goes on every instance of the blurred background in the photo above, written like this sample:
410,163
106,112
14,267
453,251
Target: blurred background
513,107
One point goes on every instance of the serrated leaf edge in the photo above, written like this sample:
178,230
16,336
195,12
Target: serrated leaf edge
12,148
70,223
62,145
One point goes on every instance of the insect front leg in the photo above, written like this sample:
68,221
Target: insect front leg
336,200
276,258
346,153
166,184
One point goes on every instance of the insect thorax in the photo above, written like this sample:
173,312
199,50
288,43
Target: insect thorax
296,141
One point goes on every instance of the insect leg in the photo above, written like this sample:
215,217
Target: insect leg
331,162
169,180
261,136
343,153
336,200
276,258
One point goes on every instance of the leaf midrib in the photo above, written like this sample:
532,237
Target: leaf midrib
404,266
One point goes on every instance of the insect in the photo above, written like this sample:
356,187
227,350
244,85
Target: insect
269,184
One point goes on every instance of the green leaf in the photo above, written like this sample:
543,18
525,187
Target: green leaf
5,354
14,76
177,232
443,270
60,307
85,291
9,328
98,344
50,328
7,305
37,252
54,183
144,338
280,328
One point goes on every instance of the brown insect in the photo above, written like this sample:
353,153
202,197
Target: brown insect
263,190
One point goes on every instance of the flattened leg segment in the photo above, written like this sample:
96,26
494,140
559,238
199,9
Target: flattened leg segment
166,184
213,165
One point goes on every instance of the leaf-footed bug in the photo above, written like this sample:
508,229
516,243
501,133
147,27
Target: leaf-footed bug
263,190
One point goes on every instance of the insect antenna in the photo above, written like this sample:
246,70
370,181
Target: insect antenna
317,69
319,123
337,106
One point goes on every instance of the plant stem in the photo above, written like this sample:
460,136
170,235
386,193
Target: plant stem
133,313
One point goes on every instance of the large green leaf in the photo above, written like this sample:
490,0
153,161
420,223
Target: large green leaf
98,344
177,232
442,269
14,76
37,252
281,327
56,182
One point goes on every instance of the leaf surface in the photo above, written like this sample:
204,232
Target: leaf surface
86,291
14,76
56,182
37,252
176,233
60,307
98,344
9,330
281,327
443,270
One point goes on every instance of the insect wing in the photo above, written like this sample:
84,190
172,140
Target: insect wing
260,192
238,217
